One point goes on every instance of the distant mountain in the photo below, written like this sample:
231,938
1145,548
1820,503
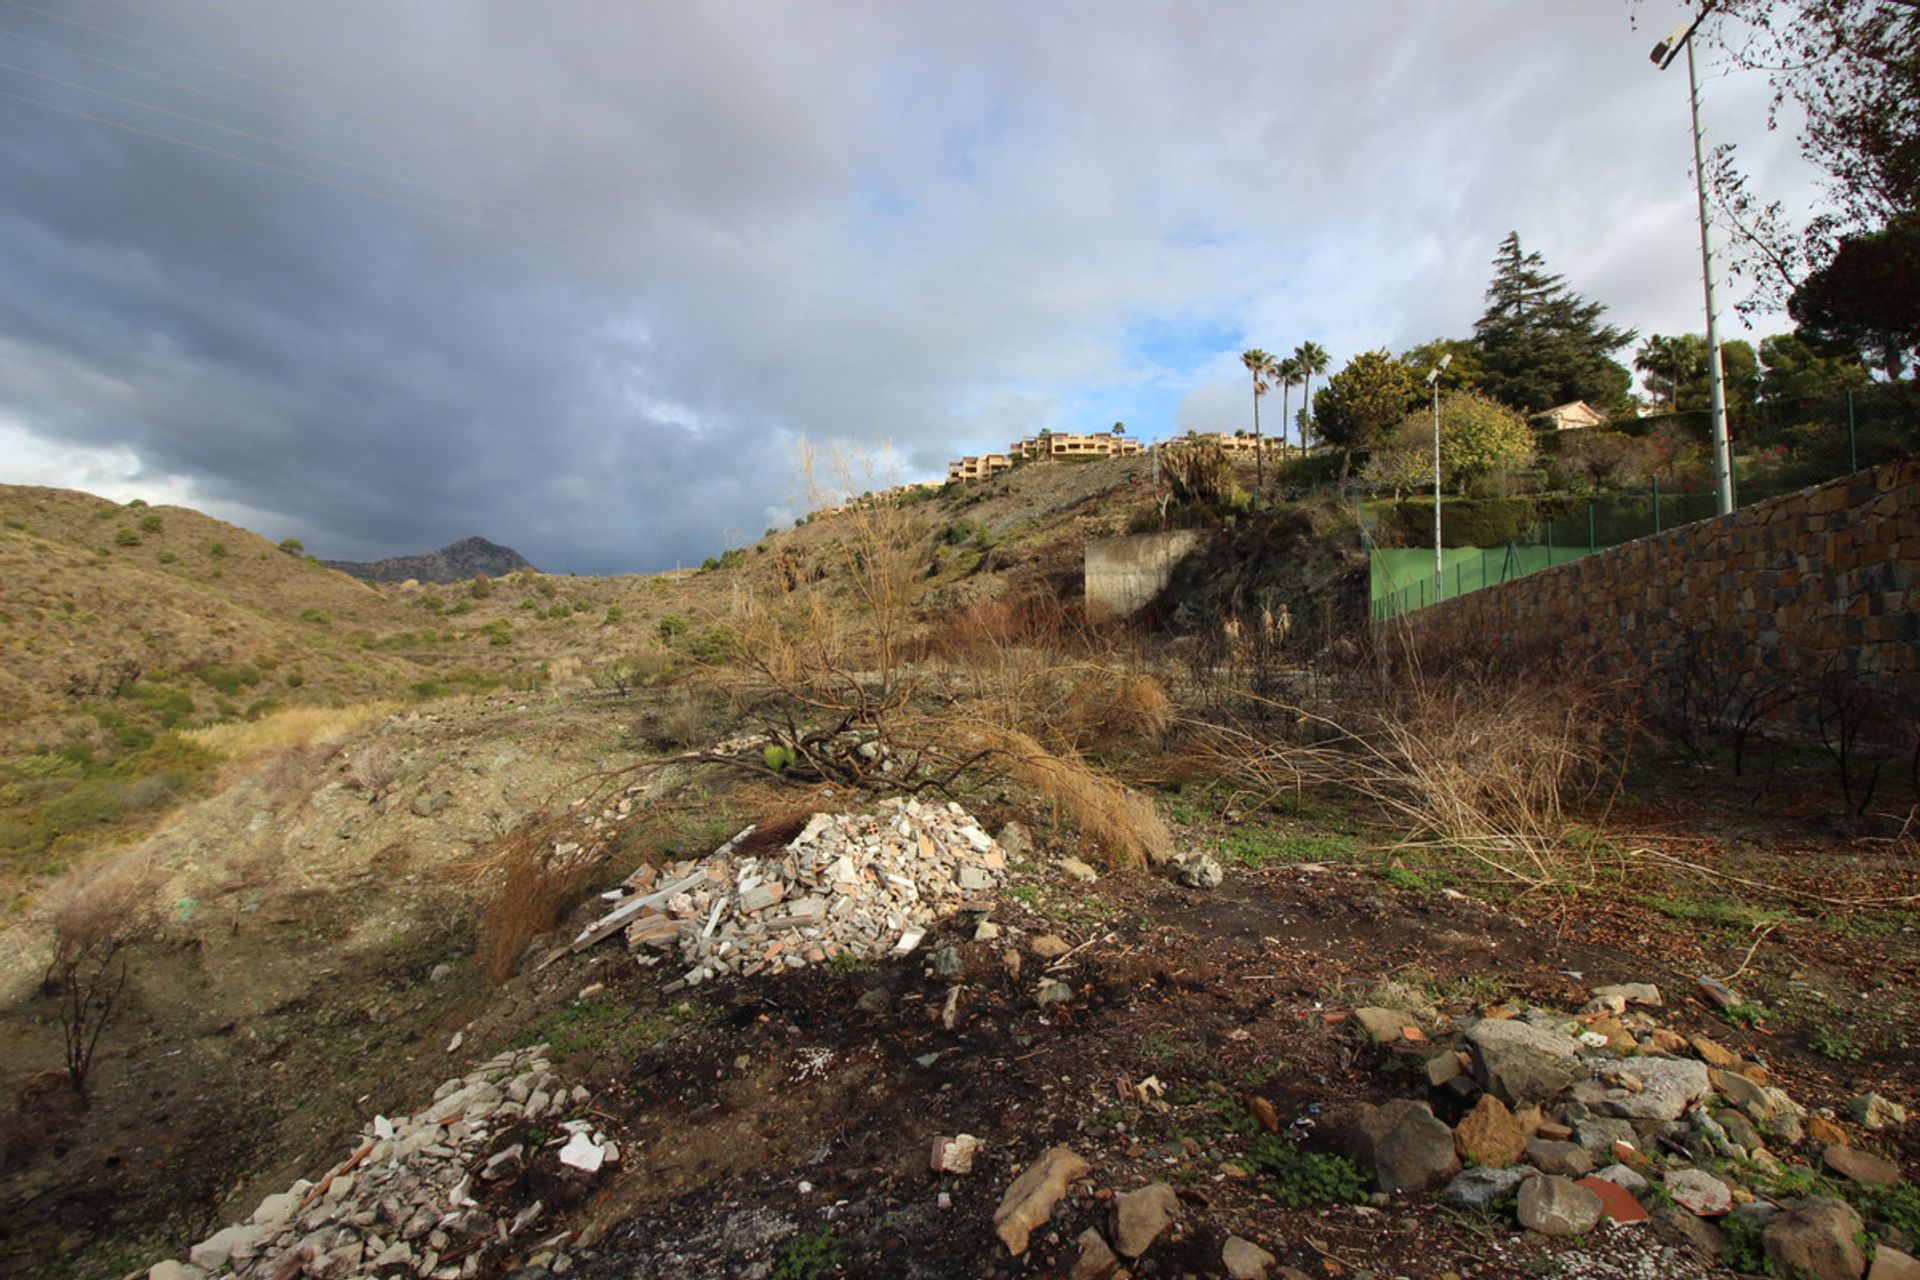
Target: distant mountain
466,558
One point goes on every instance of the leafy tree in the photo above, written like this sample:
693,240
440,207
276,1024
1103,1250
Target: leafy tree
1676,371
1867,295
1403,461
1363,401
1797,369
1313,359
1259,363
1847,73
1479,437
1463,374
1287,374
1542,344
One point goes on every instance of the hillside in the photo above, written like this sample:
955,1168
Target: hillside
467,558
1166,954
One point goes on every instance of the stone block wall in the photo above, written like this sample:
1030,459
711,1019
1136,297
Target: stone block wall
1819,581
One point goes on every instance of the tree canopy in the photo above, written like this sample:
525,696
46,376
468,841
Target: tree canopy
1541,344
1364,401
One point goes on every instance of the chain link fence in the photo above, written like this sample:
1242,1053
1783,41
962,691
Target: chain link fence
1651,474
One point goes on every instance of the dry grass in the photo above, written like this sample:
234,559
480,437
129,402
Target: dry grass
1122,823
538,889
288,727
1484,764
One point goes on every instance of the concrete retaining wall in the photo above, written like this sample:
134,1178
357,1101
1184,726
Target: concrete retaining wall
1124,574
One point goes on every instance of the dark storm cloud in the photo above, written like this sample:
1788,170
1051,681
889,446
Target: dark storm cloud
601,264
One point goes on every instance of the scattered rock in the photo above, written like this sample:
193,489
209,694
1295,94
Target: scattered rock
1670,1086
1015,840
1049,946
1198,870
1683,1230
1443,1067
1815,1240
1403,1146
1078,870
1568,1159
874,1000
1476,1190
1383,1026
214,1252
1521,1063
1871,1111
1245,1260
1699,1192
1559,1207
1030,1200
1859,1166
1489,1135
1097,1261
1825,1132
1621,1175
1140,1216
954,1155
1052,991
1641,993
1263,1111
1891,1264
427,805
171,1270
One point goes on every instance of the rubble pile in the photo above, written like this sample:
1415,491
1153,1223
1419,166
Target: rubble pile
437,1195
847,883
1607,1114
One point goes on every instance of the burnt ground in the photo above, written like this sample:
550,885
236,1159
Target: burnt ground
780,1127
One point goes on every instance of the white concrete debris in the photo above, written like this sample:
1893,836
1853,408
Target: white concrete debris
432,1194
858,883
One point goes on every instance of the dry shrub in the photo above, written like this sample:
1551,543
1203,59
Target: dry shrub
1484,759
374,767
1123,824
288,727
97,918
1104,705
538,888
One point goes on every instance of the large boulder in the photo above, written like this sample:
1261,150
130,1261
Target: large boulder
1815,1240
1476,1190
1403,1146
1140,1216
1520,1063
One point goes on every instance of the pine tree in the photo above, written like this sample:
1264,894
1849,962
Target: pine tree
1541,343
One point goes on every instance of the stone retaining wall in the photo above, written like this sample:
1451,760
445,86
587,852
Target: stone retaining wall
1815,586
1124,574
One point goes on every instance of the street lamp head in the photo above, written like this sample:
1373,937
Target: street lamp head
1439,369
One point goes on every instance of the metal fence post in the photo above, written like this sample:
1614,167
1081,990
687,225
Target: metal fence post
1549,544
1590,547
1853,447
1656,504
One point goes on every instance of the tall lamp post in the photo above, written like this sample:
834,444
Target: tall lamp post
1681,37
1439,563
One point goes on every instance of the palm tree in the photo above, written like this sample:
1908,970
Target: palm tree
1313,359
1260,364
1287,374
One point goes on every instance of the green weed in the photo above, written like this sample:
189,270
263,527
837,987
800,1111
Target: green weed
1299,1178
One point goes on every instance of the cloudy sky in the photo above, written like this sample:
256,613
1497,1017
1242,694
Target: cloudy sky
579,276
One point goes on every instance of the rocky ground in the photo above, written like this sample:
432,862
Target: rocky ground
1128,1076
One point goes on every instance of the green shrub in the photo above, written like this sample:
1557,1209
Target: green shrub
776,757
317,617
1464,522
124,537
151,523
93,803
808,1257
296,678
480,588
229,680
107,512
671,626
1298,1178
167,557
292,546
217,550
615,614
432,604
498,632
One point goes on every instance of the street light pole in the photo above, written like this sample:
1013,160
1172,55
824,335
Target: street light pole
1439,561
1663,55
